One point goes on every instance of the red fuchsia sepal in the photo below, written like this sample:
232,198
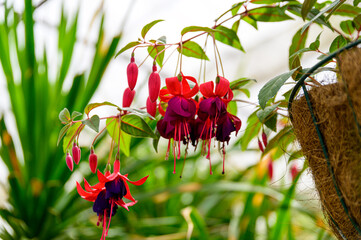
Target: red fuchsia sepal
69,161
151,107
260,145
294,171
128,97
222,86
264,139
108,194
93,161
76,153
154,84
132,74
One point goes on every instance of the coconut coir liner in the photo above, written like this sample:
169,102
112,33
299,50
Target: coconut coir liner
337,124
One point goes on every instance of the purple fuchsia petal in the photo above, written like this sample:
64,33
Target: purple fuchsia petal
180,108
211,108
115,189
101,204
224,129
165,129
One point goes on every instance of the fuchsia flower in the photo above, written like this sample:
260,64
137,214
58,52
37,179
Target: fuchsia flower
180,111
215,120
108,194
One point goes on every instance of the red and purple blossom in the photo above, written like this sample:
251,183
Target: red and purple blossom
108,194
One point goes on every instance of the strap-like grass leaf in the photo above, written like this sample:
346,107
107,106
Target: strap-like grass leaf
270,89
192,49
136,126
147,27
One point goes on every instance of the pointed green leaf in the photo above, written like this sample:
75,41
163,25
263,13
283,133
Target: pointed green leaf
269,14
251,21
192,49
92,122
147,27
316,44
75,114
253,128
236,84
162,39
72,132
306,7
62,133
153,51
298,42
270,89
347,10
263,114
136,126
121,138
229,37
126,47
265,1
91,106
357,22
196,29
156,140
236,7
356,2
347,27
338,43
232,108
271,122
64,116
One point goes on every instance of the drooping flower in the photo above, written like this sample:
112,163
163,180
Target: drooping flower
180,111
93,161
76,153
213,112
108,194
154,84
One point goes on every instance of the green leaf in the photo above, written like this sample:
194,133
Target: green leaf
121,138
235,25
147,27
72,132
192,49
347,10
347,27
64,116
136,126
357,22
320,14
93,122
338,43
195,221
126,47
303,50
91,106
306,7
270,89
62,133
296,9
316,44
253,128
232,107
356,2
75,114
156,140
251,21
153,51
236,84
298,42
269,14
229,37
295,155
235,8
271,122
162,39
280,137
265,1
196,29
263,114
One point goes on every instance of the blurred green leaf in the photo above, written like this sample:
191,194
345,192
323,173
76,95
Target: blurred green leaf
251,21
136,126
62,133
91,106
121,138
232,108
153,51
306,7
338,43
356,2
192,49
92,122
269,14
72,132
147,27
357,22
271,88
156,140
196,29
126,47
316,44
228,37
236,84
347,27
64,116
235,8
347,10
195,221
298,43
75,114
263,114
252,130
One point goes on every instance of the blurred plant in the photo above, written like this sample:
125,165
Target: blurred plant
41,207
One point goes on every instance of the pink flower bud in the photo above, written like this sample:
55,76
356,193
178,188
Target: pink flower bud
151,107
270,169
260,146
294,171
93,161
69,161
76,153
154,84
128,97
132,74
264,139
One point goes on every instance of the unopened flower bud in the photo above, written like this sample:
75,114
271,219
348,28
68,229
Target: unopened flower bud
128,97
264,139
132,74
260,146
151,107
270,169
294,171
93,161
154,84
76,153
69,161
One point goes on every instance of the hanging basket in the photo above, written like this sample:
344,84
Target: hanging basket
326,120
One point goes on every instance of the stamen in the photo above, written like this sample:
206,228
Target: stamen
168,149
111,212
179,140
224,157
174,158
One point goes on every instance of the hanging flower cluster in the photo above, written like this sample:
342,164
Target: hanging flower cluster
186,120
